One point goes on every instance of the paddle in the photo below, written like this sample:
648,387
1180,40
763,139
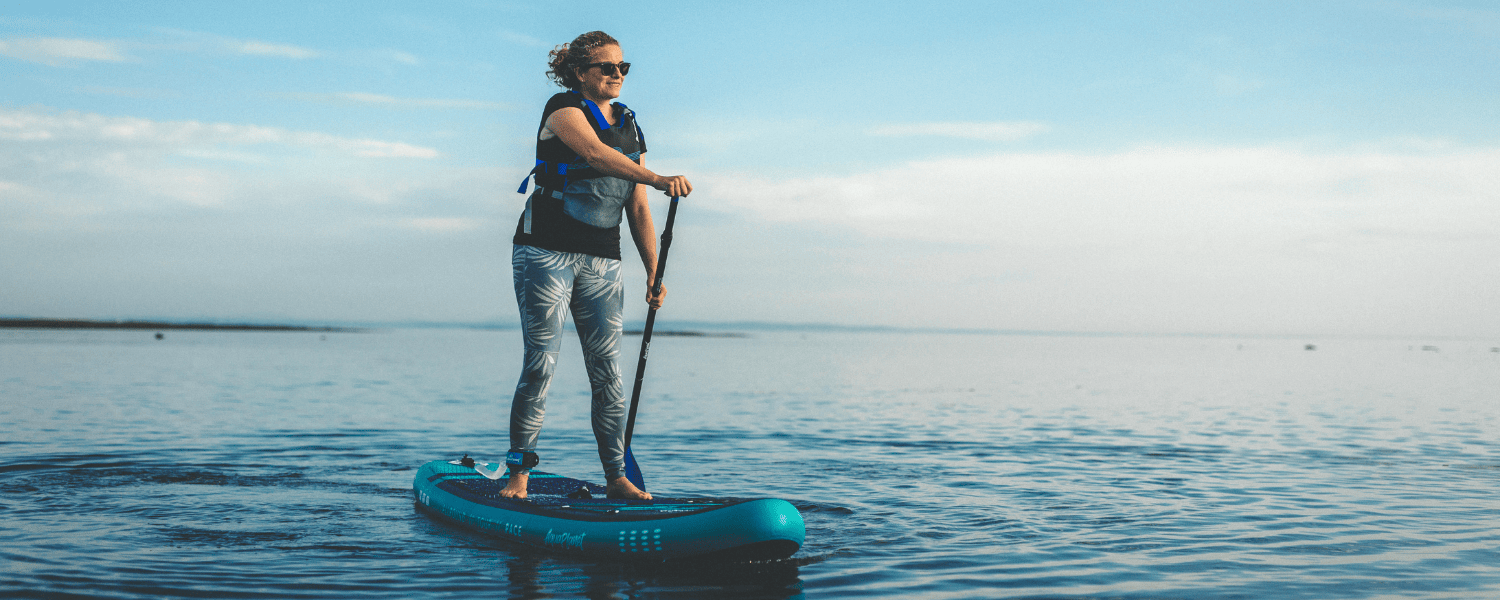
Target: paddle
632,470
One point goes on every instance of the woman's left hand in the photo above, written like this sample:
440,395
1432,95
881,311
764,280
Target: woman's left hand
653,299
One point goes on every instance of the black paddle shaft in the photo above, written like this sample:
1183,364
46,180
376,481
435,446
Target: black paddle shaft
640,367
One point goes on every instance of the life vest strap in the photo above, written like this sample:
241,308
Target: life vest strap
543,168
598,114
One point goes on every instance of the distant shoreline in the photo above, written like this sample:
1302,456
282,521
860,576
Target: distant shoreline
86,324
708,329
668,333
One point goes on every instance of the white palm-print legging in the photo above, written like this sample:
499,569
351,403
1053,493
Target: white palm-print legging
591,289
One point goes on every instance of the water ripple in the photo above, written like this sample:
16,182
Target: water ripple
1135,468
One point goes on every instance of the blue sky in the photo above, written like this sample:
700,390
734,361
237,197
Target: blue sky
1234,167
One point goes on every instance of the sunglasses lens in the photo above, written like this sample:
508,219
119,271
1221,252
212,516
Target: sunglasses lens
609,69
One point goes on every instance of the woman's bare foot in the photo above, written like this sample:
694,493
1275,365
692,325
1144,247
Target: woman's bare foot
621,488
515,487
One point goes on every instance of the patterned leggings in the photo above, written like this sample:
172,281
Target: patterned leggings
589,287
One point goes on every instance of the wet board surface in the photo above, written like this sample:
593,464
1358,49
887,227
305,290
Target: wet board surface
572,516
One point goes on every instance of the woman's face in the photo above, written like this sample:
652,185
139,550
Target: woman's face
593,83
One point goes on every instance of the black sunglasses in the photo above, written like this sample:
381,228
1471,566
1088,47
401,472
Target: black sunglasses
608,68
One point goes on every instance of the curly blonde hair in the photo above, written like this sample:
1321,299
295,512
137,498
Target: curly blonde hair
565,58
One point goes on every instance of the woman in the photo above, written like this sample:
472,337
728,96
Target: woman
567,249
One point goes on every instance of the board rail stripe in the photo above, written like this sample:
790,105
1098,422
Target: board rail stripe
598,510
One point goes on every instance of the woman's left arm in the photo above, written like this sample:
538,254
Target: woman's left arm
643,231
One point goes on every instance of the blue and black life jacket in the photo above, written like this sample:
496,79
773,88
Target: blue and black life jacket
575,207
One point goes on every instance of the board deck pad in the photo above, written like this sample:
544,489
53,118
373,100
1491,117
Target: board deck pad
574,516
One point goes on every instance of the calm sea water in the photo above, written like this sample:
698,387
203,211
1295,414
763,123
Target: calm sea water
279,465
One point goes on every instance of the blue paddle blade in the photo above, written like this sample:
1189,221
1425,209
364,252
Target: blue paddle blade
633,471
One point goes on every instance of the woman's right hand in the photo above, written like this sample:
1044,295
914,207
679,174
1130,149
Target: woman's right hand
675,185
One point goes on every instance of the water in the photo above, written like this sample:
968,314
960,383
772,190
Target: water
279,465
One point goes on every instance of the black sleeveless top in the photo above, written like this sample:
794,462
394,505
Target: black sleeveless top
576,208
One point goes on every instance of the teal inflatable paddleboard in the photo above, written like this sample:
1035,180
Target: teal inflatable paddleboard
572,516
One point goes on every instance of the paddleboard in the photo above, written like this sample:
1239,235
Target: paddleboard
572,516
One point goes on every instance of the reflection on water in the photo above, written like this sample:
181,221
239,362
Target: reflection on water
932,466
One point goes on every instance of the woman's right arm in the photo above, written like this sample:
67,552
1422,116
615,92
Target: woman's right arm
573,128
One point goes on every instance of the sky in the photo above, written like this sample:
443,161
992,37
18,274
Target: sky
1266,168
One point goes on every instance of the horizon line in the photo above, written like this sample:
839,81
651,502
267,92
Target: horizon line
19,322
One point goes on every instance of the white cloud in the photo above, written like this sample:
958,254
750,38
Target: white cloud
225,155
998,131
1143,194
371,148
443,224
80,169
394,102
1273,239
254,48
522,39
1255,239
39,125
125,92
405,58
107,216
197,41
1485,20
59,52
